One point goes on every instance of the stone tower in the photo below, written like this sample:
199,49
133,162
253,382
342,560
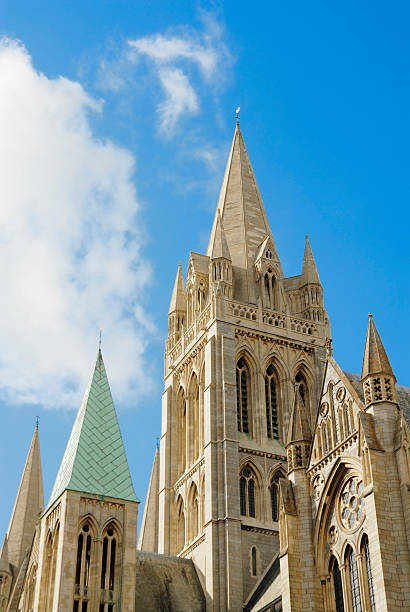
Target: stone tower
83,554
241,336
15,552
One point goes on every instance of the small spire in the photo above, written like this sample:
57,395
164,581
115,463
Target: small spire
178,298
27,507
375,360
299,428
309,270
220,246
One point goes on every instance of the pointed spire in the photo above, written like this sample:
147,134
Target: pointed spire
375,360
28,505
309,270
243,215
148,539
299,428
94,460
178,298
220,246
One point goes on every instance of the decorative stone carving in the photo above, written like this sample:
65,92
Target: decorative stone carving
351,504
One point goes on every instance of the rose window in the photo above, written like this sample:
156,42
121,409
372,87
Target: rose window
351,504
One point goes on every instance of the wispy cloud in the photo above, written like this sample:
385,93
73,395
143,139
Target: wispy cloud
187,63
70,247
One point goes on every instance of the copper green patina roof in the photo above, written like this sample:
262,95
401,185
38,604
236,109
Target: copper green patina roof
95,460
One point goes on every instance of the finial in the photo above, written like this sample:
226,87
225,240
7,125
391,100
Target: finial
99,343
37,421
157,443
237,115
328,346
370,315
307,236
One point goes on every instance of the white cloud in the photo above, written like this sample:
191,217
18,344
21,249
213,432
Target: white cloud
180,98
70,258
173,57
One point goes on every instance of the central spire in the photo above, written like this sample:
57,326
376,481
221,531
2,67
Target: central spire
243,217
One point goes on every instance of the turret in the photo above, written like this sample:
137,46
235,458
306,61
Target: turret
220,264
311,288
379,382
177,309
299,436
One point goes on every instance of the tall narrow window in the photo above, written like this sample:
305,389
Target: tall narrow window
335,416
354,581
337,584
254,561
272,429
274,497
368,573
180,526
108,582
82,572
247,493
182,446
242,396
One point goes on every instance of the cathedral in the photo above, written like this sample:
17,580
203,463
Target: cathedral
281,481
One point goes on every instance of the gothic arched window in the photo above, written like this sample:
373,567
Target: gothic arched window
242,385
337,584
247,482
367,573
254,564
272,428
193,512
354,580
181,407
82,572
274,496
180,525
109,573
269,290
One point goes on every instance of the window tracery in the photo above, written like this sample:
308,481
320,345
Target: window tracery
337,584
367,573
82,573
354,580
242,386
247,482
109,578
272,428
351,504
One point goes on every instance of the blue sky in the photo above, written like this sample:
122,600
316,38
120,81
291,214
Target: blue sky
116,120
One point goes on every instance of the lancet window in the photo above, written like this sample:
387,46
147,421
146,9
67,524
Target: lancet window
193,512
180,544
353,580
247,486
109,570
82,572
367,574
242,395
182,431
254,561
269,290
337,584
51,550
274,496
272,428
335,416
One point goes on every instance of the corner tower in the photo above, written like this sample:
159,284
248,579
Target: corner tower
248,339
86,550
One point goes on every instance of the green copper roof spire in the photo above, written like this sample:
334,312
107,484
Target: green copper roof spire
95,460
